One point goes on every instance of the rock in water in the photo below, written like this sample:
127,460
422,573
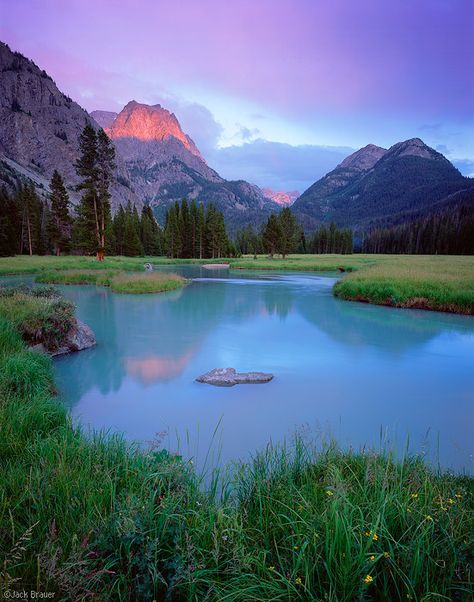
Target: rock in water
228,377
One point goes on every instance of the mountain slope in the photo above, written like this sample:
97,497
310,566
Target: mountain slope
375,185
40,128
165,166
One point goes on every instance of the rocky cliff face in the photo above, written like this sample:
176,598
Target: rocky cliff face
285,199
156,161
165,166
376,186
40,127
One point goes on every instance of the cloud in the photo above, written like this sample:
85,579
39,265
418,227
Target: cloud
246,134
442,148
465,166
276,165
198,122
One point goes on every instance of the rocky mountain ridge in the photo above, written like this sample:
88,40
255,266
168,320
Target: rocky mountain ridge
375,185
40,129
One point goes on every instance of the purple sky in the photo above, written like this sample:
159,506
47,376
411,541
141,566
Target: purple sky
272,91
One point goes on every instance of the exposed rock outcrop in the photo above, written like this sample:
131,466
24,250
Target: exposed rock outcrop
80,337
228,377
285,199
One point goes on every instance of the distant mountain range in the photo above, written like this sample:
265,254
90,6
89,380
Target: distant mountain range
377,187
159,164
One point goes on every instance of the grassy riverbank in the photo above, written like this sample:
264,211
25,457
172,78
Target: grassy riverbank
119,282
444,283
435,283
93,517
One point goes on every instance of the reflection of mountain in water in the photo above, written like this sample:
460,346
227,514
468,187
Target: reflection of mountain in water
392,330
152,338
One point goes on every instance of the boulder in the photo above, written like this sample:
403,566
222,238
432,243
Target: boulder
79,338
228,377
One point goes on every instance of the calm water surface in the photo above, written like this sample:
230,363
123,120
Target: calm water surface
343,370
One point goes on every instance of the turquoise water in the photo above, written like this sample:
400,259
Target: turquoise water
351,371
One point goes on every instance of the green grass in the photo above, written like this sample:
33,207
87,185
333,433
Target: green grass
39,315
119,282
146,283
92,517
440,283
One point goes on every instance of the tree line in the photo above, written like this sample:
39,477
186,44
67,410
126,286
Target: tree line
281,235
447,232
194,231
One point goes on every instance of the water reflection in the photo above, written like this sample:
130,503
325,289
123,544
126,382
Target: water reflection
350,367
154,368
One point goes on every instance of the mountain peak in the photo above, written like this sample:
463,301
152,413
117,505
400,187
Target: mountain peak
363,159
282,198
414,147
149,123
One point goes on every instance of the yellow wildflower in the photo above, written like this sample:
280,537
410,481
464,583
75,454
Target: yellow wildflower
298,581
428,517
368,533
329,492
451,501
375,537
296,548
386,555
414,495
271,568
372,558
368,579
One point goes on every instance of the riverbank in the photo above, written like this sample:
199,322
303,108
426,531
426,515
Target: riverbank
435,282
93,516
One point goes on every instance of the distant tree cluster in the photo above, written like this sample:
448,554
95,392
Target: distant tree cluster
194,231
448,232
332,240
282,235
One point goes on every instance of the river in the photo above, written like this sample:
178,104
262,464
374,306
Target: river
356,373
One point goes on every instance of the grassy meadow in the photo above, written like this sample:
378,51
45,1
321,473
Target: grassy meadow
435,282
94,517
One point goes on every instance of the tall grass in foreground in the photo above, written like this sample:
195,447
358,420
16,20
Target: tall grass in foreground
95,518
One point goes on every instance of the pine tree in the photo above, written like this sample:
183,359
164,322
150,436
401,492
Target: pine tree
272,235
289,232
10,224
95,167
59,223
132,245
150,233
